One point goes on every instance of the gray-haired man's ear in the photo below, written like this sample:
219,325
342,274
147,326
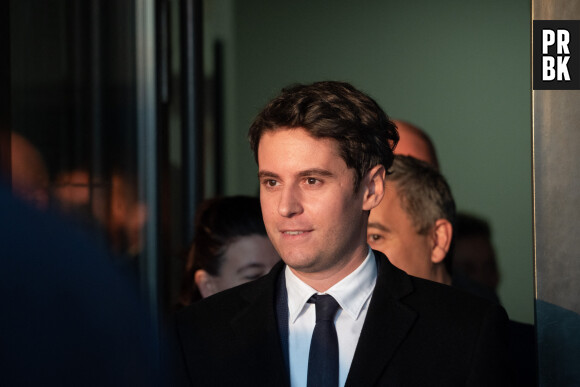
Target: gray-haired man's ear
442,234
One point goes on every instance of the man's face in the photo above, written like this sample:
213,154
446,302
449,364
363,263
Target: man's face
391,231
313,217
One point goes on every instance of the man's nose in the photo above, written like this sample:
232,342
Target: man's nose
290,202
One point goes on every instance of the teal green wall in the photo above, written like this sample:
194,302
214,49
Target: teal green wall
458,69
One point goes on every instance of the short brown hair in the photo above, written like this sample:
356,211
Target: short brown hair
365,134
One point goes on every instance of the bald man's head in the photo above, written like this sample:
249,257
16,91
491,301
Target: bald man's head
416,143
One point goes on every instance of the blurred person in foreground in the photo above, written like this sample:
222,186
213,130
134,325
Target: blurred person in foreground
230,247
110,204
334,312
69,317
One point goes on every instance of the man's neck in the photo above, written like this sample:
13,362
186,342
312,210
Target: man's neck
441,275
324,280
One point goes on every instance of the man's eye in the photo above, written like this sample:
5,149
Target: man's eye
374,237
254,276
311,180
271,183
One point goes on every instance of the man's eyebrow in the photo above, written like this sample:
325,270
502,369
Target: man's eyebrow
262,174
378,226
315,172
305,173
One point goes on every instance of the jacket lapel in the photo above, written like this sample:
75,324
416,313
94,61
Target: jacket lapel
257,331
386,325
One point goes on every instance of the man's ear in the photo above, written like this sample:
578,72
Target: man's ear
205,283
373,187
442,234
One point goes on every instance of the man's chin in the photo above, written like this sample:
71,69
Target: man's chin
300,262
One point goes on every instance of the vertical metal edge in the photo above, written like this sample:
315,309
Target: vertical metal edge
146,146
533,134
164,170
192,108
97,161
218,116
5,90
534,251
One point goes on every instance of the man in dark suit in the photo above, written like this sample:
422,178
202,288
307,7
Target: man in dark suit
323,151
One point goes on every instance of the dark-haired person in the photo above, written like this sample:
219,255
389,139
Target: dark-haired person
230,247
475,270
334,312
474,255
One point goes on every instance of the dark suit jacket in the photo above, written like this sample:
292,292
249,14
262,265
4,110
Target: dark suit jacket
416,333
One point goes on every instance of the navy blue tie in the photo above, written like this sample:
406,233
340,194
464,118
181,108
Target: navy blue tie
323,356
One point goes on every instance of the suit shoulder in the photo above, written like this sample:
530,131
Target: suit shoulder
436,289
445,299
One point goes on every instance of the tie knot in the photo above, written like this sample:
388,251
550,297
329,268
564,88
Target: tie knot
326,306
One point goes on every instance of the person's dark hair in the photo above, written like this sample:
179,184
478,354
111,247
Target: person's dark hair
336,110
468,225
218,223
424,193
467,230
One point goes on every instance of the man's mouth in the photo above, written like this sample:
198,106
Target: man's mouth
293,232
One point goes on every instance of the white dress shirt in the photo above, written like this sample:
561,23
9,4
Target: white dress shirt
353,294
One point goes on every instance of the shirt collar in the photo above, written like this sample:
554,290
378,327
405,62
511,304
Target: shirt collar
351,293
